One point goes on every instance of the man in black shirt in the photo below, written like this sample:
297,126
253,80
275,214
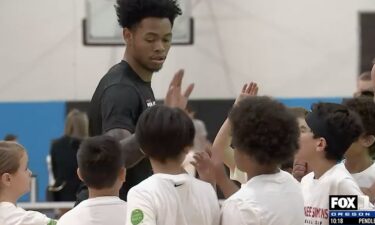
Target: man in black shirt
125,91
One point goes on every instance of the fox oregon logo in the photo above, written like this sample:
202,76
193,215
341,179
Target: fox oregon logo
343,202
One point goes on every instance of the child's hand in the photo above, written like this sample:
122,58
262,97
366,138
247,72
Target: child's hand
247,90
204,166
209,169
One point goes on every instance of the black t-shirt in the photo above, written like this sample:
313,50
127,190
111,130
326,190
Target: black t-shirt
118,101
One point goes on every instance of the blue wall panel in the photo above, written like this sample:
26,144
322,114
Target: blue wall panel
35,124
307,102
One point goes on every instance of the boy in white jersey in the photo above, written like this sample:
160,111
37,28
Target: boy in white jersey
15,178
292,166
332,128
265,134
170,196
358,158
101,168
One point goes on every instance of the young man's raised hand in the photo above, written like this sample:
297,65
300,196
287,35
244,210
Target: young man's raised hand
175,97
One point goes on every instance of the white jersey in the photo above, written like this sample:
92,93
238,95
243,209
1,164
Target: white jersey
96,211
336,181
13,215
164,199
269,199
366,178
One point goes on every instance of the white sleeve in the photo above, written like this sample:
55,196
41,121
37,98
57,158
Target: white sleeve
233,212
350,187
216,216
139,208
23,217
66,219
215,211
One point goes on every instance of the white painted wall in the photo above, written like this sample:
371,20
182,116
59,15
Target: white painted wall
293,48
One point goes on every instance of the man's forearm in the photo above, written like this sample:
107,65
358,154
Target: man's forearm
129,145
131,150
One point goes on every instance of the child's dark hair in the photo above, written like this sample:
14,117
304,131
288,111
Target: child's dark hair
132,12
365,108
100,161
338,125
265,129
163,133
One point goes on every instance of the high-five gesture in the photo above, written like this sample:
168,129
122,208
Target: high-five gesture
250,89
174,97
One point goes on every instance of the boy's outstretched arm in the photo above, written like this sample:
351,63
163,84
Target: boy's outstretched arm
221,146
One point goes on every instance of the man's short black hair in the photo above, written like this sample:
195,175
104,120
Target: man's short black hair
365,108
100,161
132,12
163,133
340,125
264,129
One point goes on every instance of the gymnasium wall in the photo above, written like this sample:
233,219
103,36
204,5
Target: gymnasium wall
289,47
